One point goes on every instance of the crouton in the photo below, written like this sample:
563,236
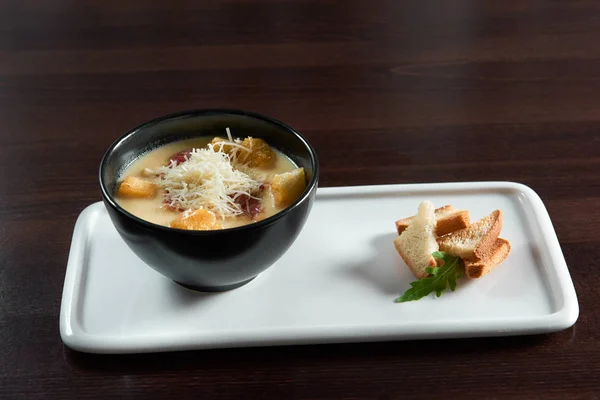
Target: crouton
219,142
287,187
199,220
136,187
261,155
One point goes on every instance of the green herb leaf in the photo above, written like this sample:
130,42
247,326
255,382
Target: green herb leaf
441,277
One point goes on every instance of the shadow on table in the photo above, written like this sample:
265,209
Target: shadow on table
306,356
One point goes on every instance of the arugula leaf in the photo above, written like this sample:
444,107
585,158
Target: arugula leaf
450,269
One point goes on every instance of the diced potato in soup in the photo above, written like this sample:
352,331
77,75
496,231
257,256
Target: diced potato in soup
210,183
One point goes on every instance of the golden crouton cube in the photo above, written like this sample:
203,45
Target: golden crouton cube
136,187
217,143
260,155
199,220
287,187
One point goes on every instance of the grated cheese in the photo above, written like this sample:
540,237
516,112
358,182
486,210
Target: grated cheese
206,180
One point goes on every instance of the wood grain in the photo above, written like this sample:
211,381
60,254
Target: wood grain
387,91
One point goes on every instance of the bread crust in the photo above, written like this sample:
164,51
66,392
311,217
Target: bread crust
485,244
445,224
454,222
496,255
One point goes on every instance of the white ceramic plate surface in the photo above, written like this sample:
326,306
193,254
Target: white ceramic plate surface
337,283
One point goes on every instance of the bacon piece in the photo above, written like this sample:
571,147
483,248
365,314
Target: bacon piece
180,157
251,206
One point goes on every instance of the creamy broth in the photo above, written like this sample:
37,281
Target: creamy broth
154,209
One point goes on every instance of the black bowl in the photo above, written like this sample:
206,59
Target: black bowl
209,260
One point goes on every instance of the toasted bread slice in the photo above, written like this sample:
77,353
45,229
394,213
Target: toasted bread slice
497,254
418,241
448,219
475,241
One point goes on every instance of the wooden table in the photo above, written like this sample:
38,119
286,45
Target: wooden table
387,91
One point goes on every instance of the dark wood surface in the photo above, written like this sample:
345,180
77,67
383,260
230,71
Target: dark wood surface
387,91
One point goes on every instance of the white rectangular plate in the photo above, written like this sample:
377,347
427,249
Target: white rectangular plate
337,283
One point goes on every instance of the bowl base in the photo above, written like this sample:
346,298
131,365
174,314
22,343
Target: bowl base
212,289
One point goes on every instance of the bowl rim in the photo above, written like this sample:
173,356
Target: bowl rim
312,184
